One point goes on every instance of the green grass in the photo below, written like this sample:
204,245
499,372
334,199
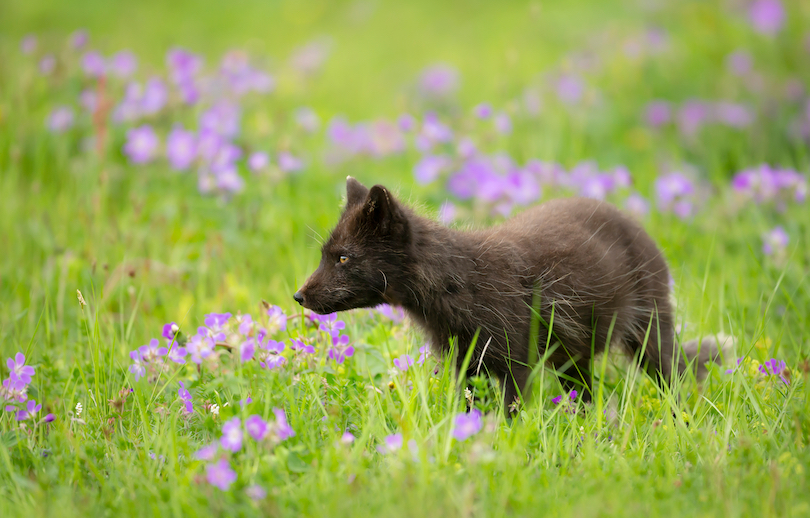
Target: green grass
145,248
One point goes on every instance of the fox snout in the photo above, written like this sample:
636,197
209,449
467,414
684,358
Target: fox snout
299,298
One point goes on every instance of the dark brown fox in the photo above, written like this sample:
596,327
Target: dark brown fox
588,270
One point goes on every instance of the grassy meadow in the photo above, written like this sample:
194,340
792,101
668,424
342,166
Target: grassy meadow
180,163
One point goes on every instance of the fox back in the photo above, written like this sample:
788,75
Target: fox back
587,272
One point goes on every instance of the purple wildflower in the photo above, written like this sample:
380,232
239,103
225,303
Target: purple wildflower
430,167
503,124
232,435
637,205
394,313
255,492
438,80
123,64
775,241
739,62
245,324
767,16
277,320
28,44
256,427
137,368
424,353
571,397
79,38
330,324
657,113
152,351
570,88
340,349
155,95
675,192
31,409
142,144
170,331
19,369
200,346
222,119
47,64
466,425
206,452
406,122
247,349
282,428
691,116
297,344
215,322
220,474
391,444
483,111
347,437
404,362
307,119
258,161
771,367
60,119
178,354
185,396
93,64
289,163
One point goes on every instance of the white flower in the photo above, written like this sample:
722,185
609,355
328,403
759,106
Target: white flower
215,409
79,409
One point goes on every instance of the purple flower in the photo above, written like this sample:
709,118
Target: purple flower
247,349
424,352
256,427
206,452
245,324
282,428
391,444
394,313
297,344
185,396
307,119
571,397
691,116
289,163
152,351
767,16
183,65
155,95
733,114
178,354
60,119
220,474
200,346
466,425
438,80
570,88
347,437
142,144
272,361
675,192
47,64
404,362
137,368
277,320
222,119
503,124
93,64
406,122
19,369
31,409
430,167
28,44
657,113
258,161
255,492
123,64
483,111
78,39
739,62
215,322
170,330
340,349
775,241
232,435
330,324
637,205
771,367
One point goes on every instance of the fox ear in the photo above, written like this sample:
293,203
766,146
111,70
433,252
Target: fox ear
382,212
356,192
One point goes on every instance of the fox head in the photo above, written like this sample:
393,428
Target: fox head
363,261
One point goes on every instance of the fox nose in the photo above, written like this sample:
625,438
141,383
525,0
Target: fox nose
299,298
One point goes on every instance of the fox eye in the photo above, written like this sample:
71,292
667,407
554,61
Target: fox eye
343,259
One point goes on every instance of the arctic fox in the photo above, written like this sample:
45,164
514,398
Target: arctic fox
577,268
